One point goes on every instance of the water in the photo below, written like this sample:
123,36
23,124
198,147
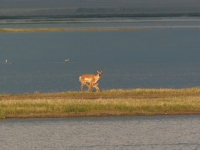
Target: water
158,132
164,53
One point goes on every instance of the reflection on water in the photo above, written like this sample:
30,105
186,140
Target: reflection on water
155,132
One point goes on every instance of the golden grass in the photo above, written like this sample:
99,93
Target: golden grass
105,103
3,30
109,94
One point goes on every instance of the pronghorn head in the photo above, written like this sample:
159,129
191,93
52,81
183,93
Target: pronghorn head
99,73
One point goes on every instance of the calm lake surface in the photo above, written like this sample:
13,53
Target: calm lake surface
163,55
154,132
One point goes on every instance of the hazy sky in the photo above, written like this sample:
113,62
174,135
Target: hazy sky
26,7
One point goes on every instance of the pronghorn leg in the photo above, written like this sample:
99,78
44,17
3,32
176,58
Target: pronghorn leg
82,87
89,85
93,85
97,89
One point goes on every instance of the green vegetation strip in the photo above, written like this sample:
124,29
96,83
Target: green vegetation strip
106,103
4,30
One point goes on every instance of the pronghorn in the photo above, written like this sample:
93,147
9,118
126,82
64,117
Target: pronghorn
90,79
94,85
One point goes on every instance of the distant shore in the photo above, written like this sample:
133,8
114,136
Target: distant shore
133,102
5,30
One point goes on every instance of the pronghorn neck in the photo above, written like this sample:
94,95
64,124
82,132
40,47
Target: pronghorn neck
97,76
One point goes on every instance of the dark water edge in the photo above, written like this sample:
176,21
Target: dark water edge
105,15
74,17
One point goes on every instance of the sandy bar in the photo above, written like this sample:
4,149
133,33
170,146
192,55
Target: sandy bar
133,102
5,30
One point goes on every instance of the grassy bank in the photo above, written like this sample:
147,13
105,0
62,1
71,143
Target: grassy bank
105,103
5,30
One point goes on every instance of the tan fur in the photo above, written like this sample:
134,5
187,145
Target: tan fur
89,78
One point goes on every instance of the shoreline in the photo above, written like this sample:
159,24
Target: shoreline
8,30
133,102
47,116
